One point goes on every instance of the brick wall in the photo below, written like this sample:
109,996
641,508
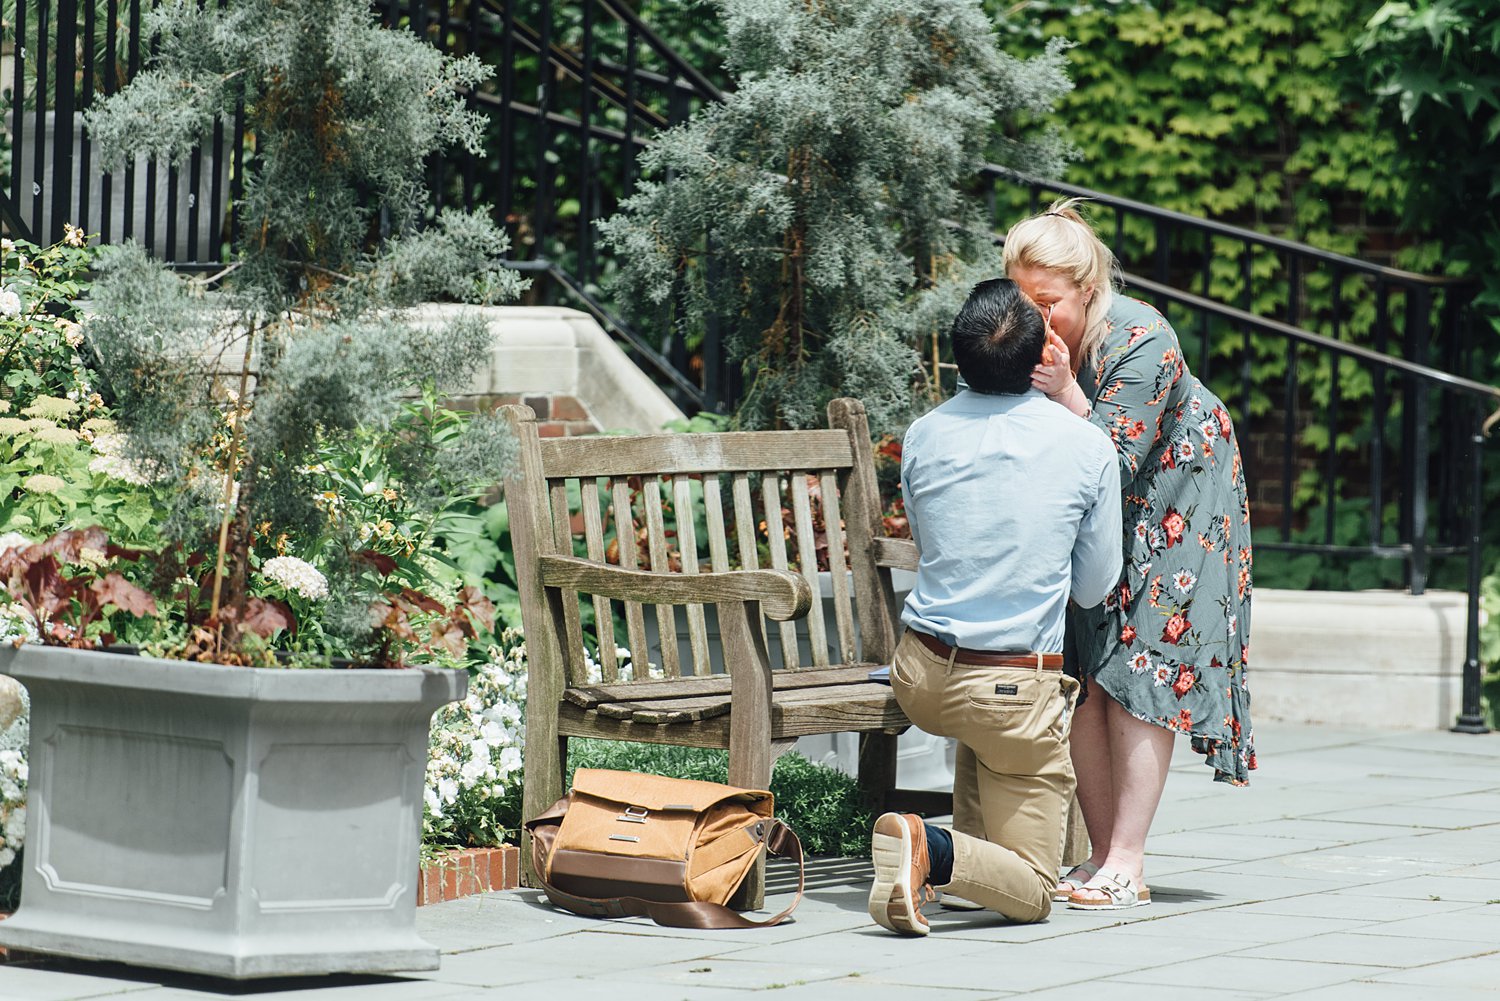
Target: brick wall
559,415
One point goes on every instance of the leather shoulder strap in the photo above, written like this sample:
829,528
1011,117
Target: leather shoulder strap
781,841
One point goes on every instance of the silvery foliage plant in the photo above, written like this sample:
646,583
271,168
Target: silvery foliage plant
308,333
803,213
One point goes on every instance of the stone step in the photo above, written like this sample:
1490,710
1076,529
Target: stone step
1381,659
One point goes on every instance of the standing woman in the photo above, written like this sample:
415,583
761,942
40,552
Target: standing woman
1167,651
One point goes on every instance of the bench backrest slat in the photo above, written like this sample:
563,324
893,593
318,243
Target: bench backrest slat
626,524
593,534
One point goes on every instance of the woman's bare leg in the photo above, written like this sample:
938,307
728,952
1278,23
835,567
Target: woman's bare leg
1139,756
1090,750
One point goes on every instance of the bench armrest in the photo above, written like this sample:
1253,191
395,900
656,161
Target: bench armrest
782,594
898,554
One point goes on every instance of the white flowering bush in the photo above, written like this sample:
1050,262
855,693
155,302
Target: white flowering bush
57,435
474,754
15,732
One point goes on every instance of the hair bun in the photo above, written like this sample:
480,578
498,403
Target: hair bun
1066,208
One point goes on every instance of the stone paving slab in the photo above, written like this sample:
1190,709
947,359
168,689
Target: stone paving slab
1359,866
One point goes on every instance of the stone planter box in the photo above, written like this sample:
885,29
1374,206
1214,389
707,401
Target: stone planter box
463,872
225,821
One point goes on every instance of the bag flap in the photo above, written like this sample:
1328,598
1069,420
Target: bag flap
657,792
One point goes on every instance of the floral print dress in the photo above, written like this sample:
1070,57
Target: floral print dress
1172,642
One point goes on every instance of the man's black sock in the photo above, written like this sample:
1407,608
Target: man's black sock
940,852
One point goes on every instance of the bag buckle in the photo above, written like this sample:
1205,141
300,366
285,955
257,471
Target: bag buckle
634,815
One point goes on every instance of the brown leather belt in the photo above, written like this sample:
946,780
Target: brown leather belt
986,658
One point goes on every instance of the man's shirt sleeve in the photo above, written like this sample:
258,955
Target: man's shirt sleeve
906,495
1098,553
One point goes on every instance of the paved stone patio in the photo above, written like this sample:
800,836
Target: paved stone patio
1359,865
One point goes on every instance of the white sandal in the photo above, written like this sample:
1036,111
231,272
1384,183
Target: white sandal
1071,883
1120,893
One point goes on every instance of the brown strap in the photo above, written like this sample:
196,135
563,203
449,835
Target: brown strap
781,841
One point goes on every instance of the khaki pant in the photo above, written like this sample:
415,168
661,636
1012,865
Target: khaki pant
1015,720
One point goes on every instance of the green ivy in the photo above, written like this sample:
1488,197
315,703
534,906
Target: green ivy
1243,111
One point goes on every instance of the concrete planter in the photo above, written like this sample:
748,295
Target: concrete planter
225,821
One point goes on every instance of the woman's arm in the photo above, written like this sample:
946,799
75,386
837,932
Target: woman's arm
1136,380
1054,376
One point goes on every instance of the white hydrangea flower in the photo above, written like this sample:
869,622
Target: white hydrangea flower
474,753
10,303
13,776
13,540
296,576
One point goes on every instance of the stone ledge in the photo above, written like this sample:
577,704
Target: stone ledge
1381,659
463,872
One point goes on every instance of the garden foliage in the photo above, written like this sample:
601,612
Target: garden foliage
306,342
803,211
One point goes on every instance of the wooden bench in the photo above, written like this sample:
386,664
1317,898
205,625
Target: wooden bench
670,524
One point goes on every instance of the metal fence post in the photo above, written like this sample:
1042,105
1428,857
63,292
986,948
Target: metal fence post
1471,718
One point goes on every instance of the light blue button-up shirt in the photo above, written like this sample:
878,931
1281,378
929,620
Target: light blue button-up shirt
1014,503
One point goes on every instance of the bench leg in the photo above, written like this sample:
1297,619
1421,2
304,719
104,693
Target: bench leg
877,769
542,785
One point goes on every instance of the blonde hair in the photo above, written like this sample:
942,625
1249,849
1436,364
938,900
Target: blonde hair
1062,241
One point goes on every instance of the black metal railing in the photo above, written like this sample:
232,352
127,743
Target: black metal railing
579,90
1295,339
63,56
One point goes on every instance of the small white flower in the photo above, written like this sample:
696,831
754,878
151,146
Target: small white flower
10,303
6,245
1163,676
296,576
1234,624
1184,580
1210,429
1185,451
1140,663
13,540
72,332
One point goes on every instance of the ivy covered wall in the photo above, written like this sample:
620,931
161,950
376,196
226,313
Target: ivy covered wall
1231,109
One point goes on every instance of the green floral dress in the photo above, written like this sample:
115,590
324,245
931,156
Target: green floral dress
1172,643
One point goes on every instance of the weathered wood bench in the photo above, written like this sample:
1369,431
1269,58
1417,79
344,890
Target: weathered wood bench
671,523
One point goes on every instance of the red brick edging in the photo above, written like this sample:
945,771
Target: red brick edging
464,871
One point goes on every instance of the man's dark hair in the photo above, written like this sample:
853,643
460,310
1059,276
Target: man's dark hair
997,338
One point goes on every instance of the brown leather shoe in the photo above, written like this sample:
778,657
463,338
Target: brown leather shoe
899,852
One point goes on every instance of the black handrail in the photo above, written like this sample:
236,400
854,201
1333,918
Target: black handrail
1182,220
1240,317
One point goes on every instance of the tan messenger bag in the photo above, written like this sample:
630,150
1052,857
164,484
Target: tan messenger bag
673,850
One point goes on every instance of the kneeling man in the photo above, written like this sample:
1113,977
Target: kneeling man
1014,504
